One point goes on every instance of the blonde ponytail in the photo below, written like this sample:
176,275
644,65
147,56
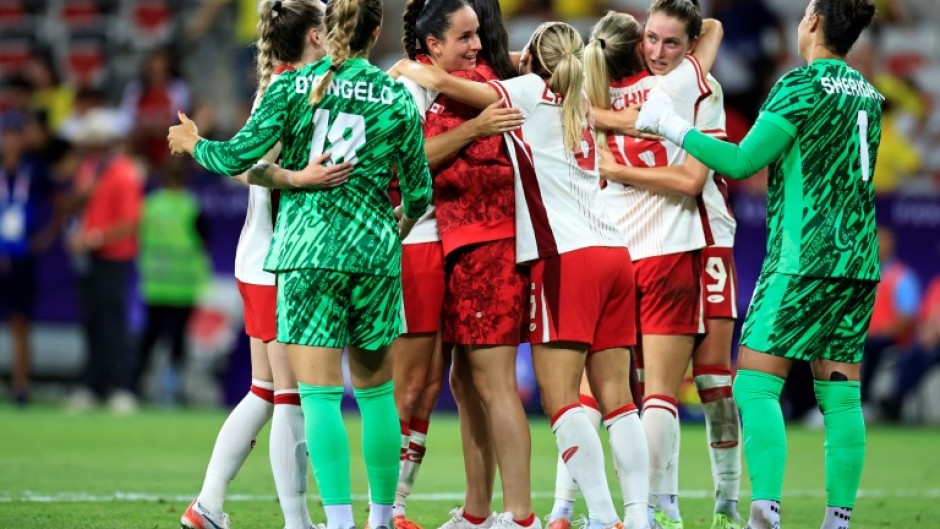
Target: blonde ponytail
265,58
556,52
568,79
610,55
597,81
342,17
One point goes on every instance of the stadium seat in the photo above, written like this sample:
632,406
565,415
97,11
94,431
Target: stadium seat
15,54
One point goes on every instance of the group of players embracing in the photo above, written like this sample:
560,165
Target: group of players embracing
562,215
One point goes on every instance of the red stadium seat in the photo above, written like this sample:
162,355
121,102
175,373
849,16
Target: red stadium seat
85,62
15,55
13,13
77,14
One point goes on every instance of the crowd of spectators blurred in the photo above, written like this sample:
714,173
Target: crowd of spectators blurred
71,69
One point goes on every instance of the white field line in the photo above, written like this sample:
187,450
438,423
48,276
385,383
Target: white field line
70,497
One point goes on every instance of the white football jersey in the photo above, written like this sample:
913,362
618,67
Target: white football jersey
558,204
425,230
257,231
656,224
719,231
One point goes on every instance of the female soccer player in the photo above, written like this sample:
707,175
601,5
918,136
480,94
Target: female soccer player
289,35
336,252
819,129
484,294
712,354
664,231
563,230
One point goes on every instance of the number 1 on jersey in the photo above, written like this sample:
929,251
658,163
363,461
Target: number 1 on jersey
346,135
863,144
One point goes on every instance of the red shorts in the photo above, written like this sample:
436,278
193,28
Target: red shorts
668,294
485,300
584,296
259,303
719,283
422,285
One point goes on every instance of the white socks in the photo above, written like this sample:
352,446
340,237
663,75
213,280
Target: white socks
837,518
765,514
340,516
235,440
413,449
631,459
288,451
723,432
566,490
661,425
581,450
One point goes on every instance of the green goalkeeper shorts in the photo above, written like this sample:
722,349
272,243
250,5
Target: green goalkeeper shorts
809,318
327,308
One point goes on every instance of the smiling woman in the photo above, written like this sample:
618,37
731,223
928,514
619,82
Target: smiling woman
479,297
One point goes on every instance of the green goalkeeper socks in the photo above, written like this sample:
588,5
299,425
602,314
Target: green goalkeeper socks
841,405
765,438
327,441
381,441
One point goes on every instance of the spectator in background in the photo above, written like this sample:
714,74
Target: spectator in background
25,195
246,22
746,66
896,302
49,93
923,355
174,269
150,104
898,157
108,191
86,99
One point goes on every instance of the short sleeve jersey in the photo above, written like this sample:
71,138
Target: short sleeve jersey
366,118
710,119
820,198
558,204
656,224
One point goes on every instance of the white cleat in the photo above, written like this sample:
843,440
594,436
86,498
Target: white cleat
197,517
506,521
457,521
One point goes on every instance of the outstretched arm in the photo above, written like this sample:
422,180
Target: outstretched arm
765,142
249,145
687,179
430,77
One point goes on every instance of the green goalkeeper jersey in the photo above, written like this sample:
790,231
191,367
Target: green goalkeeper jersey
820,201
366,118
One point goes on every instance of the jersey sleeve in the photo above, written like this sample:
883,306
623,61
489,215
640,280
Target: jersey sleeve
764,142
711,113
518,92
414,176
422,98
686,84
790,101
253,141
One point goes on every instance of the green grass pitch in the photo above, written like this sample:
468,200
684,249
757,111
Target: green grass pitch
103,472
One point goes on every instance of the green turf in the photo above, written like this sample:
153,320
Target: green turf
48,455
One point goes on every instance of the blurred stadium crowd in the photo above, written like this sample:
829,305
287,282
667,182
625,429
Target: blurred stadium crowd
84,74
